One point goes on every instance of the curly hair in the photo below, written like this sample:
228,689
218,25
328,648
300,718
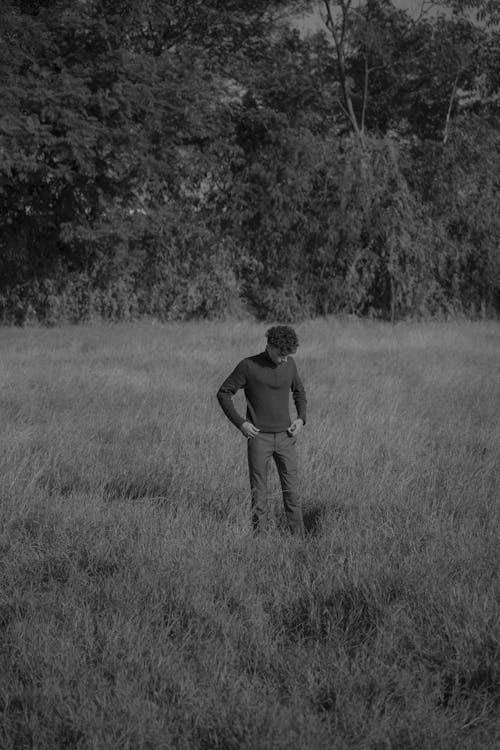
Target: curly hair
283,338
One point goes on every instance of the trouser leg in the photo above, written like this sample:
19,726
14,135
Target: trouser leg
260,450
285,456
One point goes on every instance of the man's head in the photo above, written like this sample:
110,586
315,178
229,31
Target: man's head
281,341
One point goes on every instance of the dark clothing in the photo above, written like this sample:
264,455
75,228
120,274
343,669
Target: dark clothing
267,387
281,447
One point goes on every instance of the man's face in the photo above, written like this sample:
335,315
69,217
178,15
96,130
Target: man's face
276,356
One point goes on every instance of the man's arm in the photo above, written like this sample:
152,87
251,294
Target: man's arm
299,395
229,387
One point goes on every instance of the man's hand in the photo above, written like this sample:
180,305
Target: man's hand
295,427
249,430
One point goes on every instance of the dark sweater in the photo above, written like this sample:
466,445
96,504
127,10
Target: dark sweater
267,388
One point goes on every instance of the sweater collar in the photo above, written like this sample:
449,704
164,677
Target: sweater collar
266,356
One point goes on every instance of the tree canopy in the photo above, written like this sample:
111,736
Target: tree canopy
183,159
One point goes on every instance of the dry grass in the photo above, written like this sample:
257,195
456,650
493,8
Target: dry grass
137,612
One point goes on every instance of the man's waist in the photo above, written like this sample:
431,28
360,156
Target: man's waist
272,432
271,426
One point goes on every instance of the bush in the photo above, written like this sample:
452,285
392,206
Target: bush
285,304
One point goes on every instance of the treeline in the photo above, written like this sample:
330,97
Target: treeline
183,160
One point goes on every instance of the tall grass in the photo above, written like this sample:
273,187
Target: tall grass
136,610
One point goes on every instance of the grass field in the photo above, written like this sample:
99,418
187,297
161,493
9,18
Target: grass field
136,611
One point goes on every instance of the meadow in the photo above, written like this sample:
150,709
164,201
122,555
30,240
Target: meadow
136,609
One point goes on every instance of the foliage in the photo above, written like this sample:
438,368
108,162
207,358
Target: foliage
170,159
460,190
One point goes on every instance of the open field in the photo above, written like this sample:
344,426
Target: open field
137,612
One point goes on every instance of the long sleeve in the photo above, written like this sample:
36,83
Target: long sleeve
229,387
299,396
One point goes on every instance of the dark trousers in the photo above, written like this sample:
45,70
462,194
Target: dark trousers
281,447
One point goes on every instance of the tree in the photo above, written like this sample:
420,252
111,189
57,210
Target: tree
401,74
92,137
486,12
163,158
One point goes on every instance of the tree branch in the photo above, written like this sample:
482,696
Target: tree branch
339,51
450,107
365,97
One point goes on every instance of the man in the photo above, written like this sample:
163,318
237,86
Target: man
267,379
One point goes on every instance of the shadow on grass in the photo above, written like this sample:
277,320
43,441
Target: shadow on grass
474,684
313,516
136,488
350,616
313,519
